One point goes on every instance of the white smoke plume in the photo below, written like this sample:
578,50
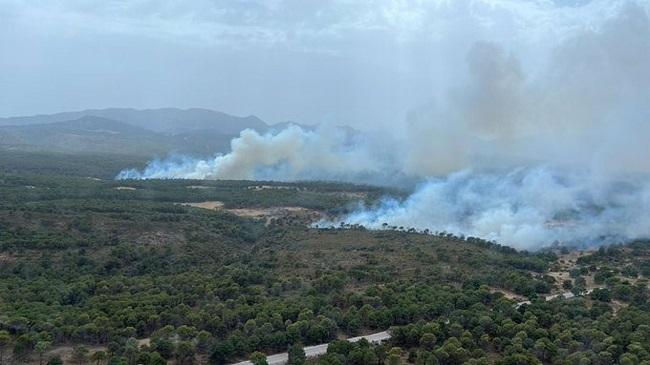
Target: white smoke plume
530,145
290,154
526,208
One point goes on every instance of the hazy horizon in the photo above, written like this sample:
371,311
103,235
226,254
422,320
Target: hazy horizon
337,62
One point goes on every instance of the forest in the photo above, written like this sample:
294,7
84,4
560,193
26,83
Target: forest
100,271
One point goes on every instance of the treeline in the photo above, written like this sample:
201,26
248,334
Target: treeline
48,163
324,196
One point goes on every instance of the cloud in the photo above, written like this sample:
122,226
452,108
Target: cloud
295,23
361,63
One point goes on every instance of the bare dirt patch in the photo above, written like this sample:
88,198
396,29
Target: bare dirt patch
507,294
6,258
212,205
269,214
560,276
64,352
144,342
565,263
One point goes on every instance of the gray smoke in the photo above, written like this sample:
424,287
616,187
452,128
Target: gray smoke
526,208
290,154
525,147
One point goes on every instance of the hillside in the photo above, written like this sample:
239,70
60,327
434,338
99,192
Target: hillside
130,269
139,133
163,120
91,134
95,249
190,271
86,134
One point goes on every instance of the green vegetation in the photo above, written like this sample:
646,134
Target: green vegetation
131,277
620,272
296,354
104,166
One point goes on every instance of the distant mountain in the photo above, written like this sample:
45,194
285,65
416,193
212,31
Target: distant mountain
86,134
145,133
164,120
90,134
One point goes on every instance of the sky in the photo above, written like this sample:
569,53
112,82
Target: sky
359,63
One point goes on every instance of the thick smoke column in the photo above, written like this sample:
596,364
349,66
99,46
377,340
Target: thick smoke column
525,147
290,154
525,208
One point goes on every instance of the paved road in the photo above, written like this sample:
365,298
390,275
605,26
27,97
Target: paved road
318,350
565,295
373,338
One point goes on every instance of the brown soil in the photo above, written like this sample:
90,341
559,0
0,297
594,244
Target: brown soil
64,352
144,342
6,258
508,294
564,264
213,205
266,214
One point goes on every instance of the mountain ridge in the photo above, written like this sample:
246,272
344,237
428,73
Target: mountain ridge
149,133
162,120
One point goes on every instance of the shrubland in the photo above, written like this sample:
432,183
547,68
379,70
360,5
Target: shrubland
139,279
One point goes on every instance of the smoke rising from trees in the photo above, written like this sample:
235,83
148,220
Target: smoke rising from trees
526,151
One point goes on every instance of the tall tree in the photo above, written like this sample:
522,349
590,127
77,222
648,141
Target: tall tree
258,358
297,355
41,347
99,357
79,354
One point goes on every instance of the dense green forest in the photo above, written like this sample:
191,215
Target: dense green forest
48,163
119,272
